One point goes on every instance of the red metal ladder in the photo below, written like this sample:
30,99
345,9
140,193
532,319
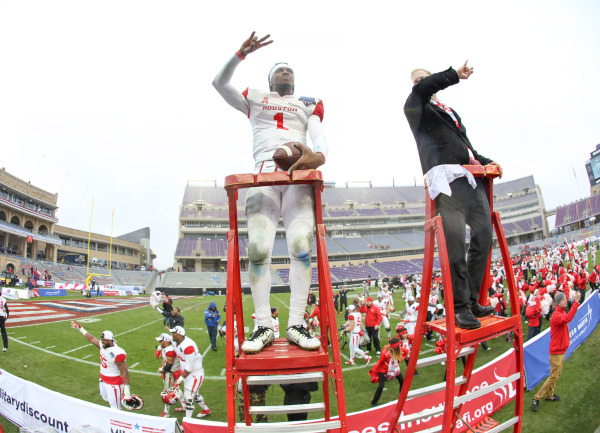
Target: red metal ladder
282,362
461,342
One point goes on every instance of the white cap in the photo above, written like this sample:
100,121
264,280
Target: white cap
351,308
177,330
411,298
439,307
108,336
164,337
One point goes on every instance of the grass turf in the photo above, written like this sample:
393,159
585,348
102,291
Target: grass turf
76,373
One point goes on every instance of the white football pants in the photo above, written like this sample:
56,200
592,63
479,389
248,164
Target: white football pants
264,206
355,349
112,394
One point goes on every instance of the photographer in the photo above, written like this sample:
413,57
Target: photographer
212,317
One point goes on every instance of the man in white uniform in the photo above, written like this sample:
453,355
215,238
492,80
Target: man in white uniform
3,318
352,327
278,117
170,369
410,319
384,307
114,376
192,373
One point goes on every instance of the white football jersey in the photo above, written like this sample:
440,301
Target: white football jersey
2,307
188,355
109,372
382,305
411,312
276,120
357,321
169,351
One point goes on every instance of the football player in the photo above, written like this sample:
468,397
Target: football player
192,371
278,117
352,327
170,369
3,318
114,376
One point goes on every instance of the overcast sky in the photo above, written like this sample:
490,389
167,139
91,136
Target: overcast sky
113,100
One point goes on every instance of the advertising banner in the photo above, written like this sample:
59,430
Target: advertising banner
537,351
377,419
10,293
27,404
52,292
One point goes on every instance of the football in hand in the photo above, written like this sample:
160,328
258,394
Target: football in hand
286,155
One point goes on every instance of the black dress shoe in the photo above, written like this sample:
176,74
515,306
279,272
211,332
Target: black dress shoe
466,320
479,310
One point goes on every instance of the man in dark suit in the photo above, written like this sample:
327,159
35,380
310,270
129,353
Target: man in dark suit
444,148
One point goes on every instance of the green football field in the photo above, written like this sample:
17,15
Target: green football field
71,366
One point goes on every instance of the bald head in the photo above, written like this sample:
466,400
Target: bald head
418,74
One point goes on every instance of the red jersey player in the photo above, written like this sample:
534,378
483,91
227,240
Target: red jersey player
114,376
278,117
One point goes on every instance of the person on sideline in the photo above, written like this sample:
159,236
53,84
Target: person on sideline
559,343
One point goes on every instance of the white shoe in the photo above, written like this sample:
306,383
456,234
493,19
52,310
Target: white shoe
258,339
368,360
300,336
204,413
4,349
351,362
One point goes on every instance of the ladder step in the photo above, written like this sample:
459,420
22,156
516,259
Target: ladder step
423,414
504,425
286,427
437,359
434,388
485,390
289,408
285,378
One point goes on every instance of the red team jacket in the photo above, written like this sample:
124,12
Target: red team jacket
373,315
559,329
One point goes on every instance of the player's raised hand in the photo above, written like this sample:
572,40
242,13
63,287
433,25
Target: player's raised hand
75,325
464,71
308,160
253,43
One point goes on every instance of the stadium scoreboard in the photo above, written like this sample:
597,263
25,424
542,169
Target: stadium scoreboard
593,166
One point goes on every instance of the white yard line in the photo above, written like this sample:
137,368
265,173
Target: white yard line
134,365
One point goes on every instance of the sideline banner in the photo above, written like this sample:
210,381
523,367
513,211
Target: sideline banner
52,292
9,293
27,404
377,419
536,352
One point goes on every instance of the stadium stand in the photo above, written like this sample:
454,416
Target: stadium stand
378,225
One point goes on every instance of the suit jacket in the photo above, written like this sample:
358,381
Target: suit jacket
438,139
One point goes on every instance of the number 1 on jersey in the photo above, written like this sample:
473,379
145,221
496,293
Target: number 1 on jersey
279,118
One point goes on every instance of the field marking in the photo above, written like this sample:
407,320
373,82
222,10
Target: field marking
36,311
86,356
32,319
50,347
134,365
34,342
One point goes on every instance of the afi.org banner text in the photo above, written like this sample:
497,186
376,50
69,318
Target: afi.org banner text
377,419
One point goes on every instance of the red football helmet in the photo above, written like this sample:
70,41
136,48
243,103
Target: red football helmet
172,395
